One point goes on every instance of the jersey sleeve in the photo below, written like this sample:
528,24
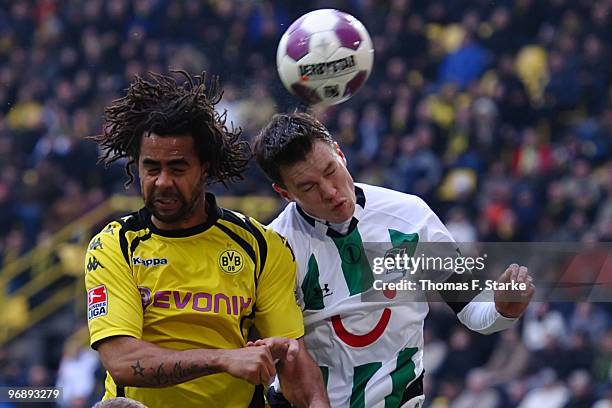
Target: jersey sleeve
441,244
436,231
276,309
435,242
114,305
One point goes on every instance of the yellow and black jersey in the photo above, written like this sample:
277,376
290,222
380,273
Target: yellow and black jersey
202,287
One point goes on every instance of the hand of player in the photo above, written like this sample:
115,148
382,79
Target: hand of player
509,302
281,348
254,364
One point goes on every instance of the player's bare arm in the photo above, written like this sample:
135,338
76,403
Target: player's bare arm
137,363
512,303
300,376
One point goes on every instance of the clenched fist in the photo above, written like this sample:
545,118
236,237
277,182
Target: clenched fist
510,302
253,364
281,348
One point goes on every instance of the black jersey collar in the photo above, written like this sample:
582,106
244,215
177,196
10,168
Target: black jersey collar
324,226
212,209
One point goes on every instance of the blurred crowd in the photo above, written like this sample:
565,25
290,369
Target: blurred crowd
497,113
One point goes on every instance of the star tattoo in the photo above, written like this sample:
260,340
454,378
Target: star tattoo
138,370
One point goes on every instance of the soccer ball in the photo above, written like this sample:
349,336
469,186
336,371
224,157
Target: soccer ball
324,57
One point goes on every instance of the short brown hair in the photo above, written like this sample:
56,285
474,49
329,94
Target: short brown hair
119,402
286,140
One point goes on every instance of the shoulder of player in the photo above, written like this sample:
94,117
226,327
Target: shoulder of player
247,228
290,224
129,222
393,203
287,222
249,232
120,232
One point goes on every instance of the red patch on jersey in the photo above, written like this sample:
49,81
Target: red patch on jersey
96,295
97,304
389,293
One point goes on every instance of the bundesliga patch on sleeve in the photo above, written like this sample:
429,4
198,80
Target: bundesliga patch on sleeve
97,302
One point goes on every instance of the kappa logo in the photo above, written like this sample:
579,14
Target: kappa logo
97,302
93,264
231,261
95,244
136,260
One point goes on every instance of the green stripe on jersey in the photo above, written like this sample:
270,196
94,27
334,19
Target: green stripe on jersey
311,288
361,376
402,240
401,376
325,374
355,266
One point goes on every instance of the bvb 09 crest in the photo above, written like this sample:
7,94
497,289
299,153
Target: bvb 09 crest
231,261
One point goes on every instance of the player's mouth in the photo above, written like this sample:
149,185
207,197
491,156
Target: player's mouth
340,206
166,204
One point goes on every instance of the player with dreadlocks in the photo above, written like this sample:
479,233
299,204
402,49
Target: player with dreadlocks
173,289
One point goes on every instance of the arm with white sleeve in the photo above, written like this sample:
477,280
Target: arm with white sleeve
490,310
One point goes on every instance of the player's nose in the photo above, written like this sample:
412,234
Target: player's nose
328,190
163,180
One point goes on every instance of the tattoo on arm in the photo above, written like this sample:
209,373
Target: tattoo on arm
138,370
159,376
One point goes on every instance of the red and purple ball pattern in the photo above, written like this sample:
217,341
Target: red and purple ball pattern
325,56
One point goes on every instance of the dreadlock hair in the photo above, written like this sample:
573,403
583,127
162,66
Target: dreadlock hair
165,107
286,140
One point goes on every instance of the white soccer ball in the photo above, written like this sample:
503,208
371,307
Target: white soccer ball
325,56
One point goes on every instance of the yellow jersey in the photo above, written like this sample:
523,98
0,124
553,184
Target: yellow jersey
202,287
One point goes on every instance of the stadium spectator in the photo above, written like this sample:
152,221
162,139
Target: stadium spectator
549,392
478,394
509,359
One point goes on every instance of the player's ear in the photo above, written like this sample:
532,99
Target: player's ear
281,191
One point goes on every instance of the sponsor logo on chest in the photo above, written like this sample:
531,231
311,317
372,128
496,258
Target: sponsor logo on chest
204,302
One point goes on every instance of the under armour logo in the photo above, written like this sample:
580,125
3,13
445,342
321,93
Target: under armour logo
324,292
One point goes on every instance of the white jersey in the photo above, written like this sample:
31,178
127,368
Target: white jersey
369,349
